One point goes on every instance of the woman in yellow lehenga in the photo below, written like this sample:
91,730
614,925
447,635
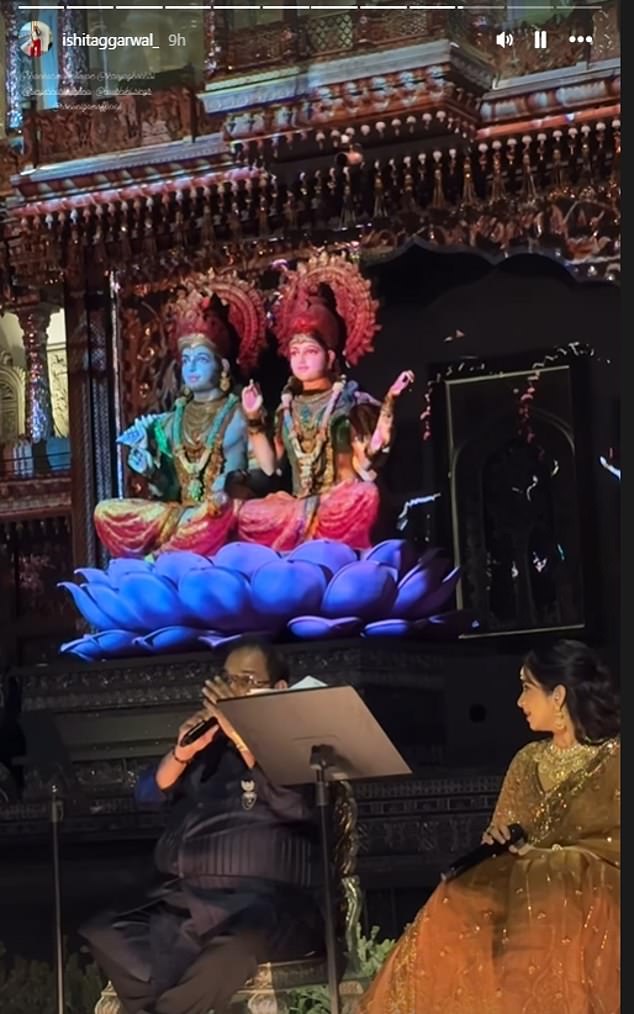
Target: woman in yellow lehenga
535,930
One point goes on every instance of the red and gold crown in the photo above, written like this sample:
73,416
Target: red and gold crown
301,309
192,319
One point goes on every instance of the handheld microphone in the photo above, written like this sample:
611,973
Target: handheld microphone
197,731
477,856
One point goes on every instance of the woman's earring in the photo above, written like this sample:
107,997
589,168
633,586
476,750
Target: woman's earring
560,720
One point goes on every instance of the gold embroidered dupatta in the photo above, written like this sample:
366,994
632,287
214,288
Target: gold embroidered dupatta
585,808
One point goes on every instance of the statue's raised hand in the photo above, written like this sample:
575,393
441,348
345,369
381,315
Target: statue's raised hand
252,401
402,382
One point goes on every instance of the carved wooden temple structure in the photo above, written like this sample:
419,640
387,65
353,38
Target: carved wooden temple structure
385,132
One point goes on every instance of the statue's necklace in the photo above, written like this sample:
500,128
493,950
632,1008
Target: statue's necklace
306,460
194,469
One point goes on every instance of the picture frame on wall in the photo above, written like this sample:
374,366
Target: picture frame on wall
519,496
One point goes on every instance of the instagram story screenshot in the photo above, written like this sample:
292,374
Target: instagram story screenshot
310,480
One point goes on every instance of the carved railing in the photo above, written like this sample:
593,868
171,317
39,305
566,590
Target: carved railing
22,459
320,37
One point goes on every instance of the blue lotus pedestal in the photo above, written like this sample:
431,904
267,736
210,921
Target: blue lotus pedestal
321,591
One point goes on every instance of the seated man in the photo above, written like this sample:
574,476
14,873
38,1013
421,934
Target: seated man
236,868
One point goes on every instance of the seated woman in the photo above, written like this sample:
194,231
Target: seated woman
535,930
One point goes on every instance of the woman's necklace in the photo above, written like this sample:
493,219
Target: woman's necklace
307,458
558,763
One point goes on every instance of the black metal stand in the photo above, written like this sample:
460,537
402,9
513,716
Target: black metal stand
279,728
321,763
57,815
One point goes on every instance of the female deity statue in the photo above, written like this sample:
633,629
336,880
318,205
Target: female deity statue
186,454
333,435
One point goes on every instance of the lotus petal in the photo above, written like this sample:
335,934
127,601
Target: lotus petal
434,571
218,599
430,554
168,639
285,589
124,612
390,570
397,553
108,644
310,628
89,609
174,566
216,640
414,589
155,601
438,598
364,589
388,628
245,557
86,648
115,643
92,575
120,566
325,552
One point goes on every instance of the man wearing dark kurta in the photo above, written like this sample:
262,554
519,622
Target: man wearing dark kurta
236,877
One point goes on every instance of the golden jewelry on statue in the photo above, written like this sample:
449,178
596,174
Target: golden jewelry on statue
225,381
256,425
307,422
557,763
197,418
198,449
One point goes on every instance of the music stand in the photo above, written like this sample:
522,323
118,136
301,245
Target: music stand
316,736
46,752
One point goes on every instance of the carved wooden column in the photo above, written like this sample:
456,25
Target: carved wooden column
91,432
34,321
14,70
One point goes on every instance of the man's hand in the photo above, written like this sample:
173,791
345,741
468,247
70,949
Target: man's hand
176,761
185,754
219,690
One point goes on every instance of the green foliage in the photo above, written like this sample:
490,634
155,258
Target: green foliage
28,987
371,954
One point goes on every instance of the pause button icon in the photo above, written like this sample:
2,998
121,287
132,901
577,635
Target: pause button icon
541,40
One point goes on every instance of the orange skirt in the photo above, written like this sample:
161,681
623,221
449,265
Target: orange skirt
537,934
346,513
136,528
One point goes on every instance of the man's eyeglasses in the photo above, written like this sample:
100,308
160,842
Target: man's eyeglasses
245,681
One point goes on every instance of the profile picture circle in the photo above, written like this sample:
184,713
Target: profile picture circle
35,38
